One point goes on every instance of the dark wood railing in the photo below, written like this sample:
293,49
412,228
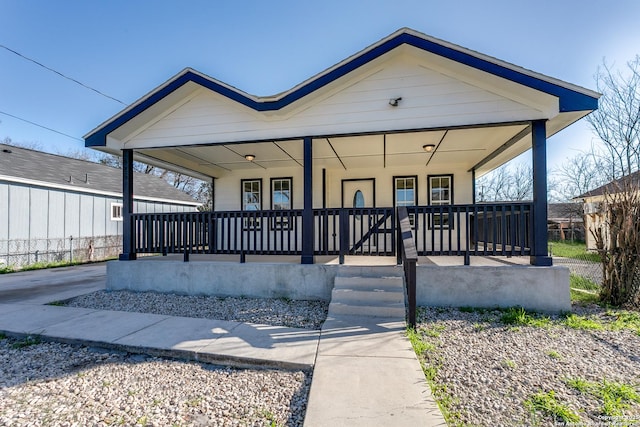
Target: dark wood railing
482,229
408,257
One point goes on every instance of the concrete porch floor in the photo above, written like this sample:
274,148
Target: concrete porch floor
350,260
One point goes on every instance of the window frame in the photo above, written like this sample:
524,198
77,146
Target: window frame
251,223
435,221
281,223
412,219
119,206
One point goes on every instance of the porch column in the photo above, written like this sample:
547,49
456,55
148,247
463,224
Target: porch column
128,245
308,237
539,255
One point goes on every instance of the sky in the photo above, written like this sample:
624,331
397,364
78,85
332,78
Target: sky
126,48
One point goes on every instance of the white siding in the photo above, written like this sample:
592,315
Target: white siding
353,104
56,212
18,212
99,216
86,216
38,217
4,213
72,215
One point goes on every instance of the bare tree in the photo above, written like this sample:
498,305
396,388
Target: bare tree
506,183
617,120
578,175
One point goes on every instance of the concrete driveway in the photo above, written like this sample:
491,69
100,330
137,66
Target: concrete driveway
53,284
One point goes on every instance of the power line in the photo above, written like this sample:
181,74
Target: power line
41,126
61,75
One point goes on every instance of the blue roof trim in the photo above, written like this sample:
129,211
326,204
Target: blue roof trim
569,100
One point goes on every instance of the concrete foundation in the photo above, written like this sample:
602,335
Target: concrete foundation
491,285
543,289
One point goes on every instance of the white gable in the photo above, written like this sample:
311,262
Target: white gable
357,102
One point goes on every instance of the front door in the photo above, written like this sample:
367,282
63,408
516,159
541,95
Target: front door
360,194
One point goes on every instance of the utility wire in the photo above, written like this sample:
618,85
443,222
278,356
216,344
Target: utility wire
61,75
41,126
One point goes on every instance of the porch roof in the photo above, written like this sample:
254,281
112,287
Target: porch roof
512,94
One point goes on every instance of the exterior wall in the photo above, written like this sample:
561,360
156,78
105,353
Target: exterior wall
228,191
431,98
54,223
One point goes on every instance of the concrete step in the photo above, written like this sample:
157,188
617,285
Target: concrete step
390,310
373,297
370,284
370,271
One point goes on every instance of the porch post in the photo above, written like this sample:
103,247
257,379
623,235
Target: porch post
128,245
308,236
539,255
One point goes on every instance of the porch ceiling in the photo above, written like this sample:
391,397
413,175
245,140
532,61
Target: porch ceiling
484,147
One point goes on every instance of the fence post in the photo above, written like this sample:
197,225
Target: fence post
71,249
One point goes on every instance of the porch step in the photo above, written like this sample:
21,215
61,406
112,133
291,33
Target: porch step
369,271
367,296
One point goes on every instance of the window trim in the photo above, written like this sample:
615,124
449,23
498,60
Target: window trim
450,225
119,206
246,224
281,223
412,219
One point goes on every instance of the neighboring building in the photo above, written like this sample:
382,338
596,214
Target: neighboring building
594,203
53,206
566,222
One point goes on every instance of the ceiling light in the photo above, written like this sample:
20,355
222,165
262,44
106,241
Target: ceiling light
428,148
250,157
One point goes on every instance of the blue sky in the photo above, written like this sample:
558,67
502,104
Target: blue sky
126,48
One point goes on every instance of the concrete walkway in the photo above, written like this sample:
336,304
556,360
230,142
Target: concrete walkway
364,369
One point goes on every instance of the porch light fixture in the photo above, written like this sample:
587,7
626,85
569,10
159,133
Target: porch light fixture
428,148
250,157
394,101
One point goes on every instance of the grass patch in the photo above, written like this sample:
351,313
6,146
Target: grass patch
429,363
584,290
7,269
549,404
518,316
615,397
2,336
622,319
573,250
584,323
27,341
554,354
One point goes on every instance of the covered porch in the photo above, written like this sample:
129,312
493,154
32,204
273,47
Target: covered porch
323,169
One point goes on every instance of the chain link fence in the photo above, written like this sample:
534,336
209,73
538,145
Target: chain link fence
19,253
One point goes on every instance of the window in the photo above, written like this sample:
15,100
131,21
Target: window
281,200
251,201
405,193
440,193
116,211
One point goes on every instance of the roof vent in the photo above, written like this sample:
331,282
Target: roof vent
6,150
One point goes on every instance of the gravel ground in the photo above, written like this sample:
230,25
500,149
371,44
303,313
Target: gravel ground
275,312
65,385
489,369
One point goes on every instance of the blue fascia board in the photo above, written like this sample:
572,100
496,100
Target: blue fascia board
569,100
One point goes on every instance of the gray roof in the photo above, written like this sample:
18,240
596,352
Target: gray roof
57,170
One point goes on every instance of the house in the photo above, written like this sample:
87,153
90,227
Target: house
318,171
565,222
55,208
594,203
